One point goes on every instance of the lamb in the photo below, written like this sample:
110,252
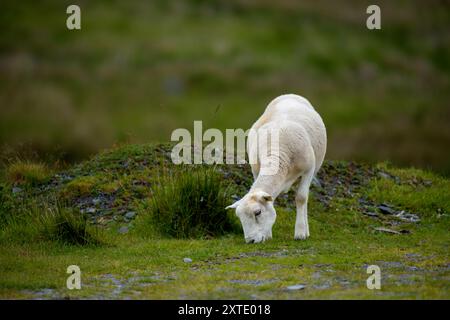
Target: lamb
299,153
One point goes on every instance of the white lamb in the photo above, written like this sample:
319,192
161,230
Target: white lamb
301,150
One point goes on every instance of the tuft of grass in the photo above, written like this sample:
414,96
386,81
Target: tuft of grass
56,223
27,173
189,204
68,226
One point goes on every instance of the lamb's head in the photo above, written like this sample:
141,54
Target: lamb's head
257,215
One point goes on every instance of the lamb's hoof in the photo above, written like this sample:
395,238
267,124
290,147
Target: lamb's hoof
302,236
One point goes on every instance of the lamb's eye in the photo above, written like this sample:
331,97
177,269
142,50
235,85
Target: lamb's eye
257,213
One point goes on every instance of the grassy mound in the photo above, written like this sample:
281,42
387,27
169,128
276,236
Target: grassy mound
118,185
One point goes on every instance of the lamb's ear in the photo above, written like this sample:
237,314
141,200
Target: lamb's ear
234,205
264,197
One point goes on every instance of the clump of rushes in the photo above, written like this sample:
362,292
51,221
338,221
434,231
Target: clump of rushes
27,173
56,223
68,226
189,204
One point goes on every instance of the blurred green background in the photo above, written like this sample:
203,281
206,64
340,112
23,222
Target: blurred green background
139,69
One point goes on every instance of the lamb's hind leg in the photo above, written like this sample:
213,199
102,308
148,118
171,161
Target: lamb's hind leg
301,202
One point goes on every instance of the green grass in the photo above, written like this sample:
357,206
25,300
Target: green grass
336,251
331,263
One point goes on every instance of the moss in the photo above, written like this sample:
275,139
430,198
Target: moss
80,186
109,187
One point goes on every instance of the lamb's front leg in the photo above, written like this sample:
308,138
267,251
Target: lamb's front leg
301,202
301,221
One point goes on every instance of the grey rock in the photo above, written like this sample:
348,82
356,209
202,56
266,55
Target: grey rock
370,214
130,215
343,282
322,265
123,230
119,286
385,209
384,175
414,268
322,286
187,260
45,294
391,264
409,217
253,282
16,190
296,287
90,210
381,229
